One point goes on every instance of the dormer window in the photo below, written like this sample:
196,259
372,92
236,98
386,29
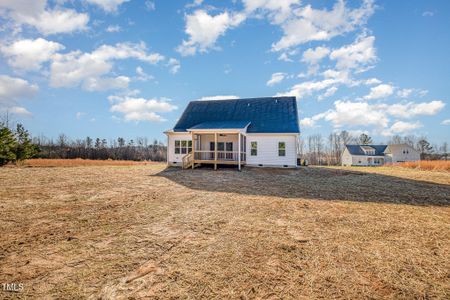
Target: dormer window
368,150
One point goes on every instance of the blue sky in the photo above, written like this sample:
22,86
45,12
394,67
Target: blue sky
108,68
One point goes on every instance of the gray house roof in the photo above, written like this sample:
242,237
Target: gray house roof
358,149
265,115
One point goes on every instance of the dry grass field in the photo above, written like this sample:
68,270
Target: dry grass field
43,162
129,232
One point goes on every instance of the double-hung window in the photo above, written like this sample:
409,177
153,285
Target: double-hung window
254,148
281,149
177,147
183,146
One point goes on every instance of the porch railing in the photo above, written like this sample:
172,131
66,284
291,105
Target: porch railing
221,155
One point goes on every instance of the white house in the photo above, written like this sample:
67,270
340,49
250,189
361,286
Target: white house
377,155
255,132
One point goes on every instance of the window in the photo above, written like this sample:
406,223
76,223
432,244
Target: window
281,149
183,147
254,148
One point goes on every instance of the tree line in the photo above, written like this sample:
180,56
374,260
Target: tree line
17,145
139,149
320,150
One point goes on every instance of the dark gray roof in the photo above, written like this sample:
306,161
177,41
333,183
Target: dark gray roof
357,149
266,115
222,125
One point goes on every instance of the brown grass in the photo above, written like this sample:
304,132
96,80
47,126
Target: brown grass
78,162
146,232
439,165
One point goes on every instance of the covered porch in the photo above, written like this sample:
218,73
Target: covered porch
221,143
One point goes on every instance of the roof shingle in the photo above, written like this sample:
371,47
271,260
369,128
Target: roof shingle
266,115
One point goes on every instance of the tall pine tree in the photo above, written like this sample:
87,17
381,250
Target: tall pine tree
25,148
8,145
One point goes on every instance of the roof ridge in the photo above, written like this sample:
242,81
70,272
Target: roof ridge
238,99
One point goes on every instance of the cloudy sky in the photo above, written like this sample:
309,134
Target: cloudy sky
128,68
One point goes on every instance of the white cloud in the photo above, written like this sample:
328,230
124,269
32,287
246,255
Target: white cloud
194,3
411,109
350,114
18,110
357,55
372,81
278,10
46,21
347,113
142,76
284,57
58,21
314,56
332,78
328,93
446,122
401,127
150,5
89,69
80,115
174,65
30,54
320,25
107,83
108,5
140,109
405,93
204,30
380,91
218,97
311,122
276,78
427,14
13,89
113,28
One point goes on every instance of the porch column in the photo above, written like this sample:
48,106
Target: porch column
215,151
239,151
193,149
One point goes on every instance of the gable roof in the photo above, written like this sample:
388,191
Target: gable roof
265,115
358,149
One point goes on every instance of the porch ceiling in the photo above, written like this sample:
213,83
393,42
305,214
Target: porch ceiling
223,125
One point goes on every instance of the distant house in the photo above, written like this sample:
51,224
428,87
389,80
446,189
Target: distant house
257,132
377,155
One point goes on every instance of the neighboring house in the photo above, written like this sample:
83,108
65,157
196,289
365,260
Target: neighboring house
377,155
257,132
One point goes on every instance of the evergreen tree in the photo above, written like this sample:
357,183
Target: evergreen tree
24,147
8,144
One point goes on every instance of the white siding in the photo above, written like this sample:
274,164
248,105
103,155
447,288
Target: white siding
346,158
172,158
401,153
268,150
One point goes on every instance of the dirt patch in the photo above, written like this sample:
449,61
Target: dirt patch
143,231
